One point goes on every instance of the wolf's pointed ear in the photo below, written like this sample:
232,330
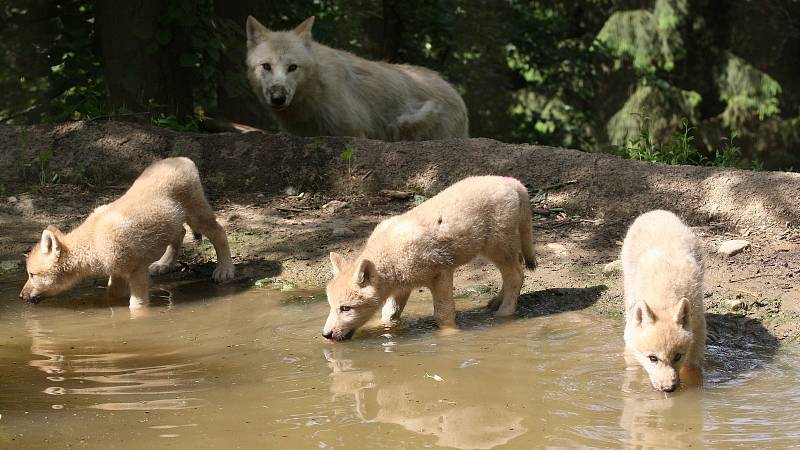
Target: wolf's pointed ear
365,273
682,313
304,29
337,261
642,314
256,32
50,243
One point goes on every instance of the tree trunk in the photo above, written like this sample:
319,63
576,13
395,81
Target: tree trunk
140,74
235,99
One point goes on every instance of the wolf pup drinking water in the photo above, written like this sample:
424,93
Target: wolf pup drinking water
665,328
124,239
314,90
488,215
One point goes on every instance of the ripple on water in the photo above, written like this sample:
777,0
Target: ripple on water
239,372
82,374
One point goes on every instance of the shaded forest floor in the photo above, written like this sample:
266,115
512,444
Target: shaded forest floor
287,202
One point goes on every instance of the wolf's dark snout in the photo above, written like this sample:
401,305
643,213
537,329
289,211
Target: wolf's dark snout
277,99
328,335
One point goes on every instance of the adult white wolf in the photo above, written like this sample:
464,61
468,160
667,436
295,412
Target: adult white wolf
314,90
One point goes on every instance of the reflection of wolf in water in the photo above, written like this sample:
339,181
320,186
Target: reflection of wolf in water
657,421
452,423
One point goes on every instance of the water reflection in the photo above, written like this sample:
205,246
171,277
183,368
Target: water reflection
659,420
421,406
80,365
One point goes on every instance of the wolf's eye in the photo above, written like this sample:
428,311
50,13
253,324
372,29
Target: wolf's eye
292,67
267,67
344,308
677,357
653,358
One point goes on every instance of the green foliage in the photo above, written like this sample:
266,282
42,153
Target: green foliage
42,159
348,154
554,72
172,123
728,154
747,91
681,149
50,72
665,106
678,150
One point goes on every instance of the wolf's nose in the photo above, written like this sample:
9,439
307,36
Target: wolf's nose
328,335
277,100
669,389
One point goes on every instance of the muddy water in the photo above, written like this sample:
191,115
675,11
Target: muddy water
216,368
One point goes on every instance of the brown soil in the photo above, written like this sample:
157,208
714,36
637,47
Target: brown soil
584,201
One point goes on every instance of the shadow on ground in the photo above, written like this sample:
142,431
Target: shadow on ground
736,345
531,305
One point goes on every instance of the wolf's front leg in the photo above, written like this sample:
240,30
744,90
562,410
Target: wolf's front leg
394,307
139,283
444,307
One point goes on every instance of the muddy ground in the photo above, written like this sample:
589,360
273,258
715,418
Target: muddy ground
288,201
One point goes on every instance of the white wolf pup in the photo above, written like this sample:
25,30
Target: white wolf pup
489,216
314,90
124,239
665,328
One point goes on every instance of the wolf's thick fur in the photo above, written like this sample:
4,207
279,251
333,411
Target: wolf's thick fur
124,239
314,90
665,322
489,216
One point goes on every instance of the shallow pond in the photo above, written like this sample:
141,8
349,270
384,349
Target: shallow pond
221,367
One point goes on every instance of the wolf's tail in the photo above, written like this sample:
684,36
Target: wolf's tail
526,227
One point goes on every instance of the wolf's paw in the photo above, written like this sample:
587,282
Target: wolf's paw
223,273
494,303
391,322
158,268
139,311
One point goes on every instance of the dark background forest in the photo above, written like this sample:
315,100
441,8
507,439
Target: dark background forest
678,81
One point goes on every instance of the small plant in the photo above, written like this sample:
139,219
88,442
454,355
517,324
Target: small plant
642,147
348,154
43,159
681,151
757,165
249,181
171,122
728,154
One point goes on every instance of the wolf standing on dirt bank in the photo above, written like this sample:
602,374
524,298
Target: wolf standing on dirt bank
314,90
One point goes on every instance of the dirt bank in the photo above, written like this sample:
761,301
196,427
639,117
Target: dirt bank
584,202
